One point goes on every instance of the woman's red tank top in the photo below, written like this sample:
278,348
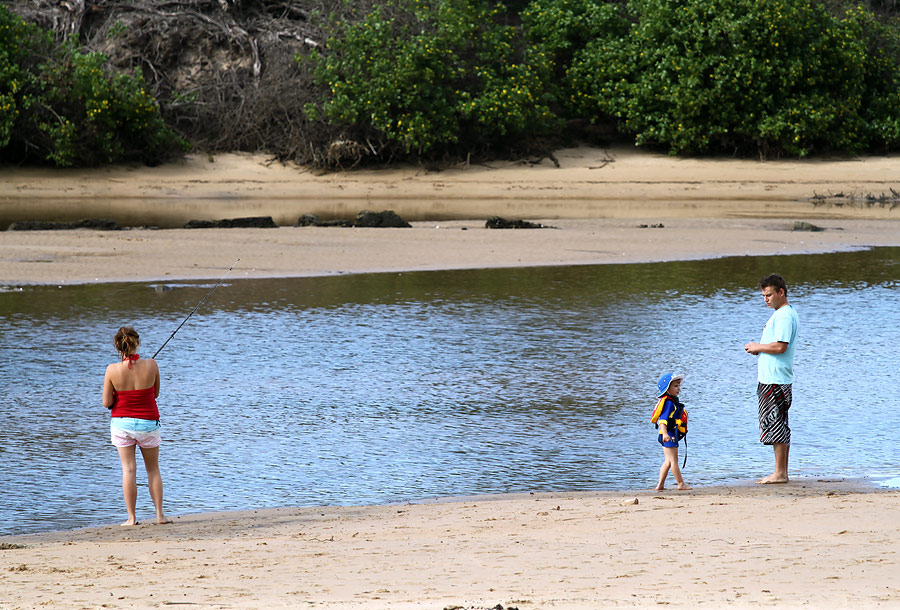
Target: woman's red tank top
136,403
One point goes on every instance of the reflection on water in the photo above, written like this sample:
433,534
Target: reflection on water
389,387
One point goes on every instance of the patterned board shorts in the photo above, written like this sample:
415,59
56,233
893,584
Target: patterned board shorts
774,402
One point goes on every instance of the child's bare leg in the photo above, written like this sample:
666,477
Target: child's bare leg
663,473
672,457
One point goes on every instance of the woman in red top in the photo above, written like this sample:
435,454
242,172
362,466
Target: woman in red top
130,389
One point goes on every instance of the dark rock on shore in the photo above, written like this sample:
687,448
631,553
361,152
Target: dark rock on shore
366,219
386,218
495,222
311,220
200,224
96,224
252,222
801,225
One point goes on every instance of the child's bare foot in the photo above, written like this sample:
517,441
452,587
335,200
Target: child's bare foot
130,522
684,487
773,478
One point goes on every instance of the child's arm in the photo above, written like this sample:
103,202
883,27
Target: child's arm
668,413
664,430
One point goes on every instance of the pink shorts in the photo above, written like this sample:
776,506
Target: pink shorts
130,431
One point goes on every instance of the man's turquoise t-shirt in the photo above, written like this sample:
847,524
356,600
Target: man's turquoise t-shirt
782,326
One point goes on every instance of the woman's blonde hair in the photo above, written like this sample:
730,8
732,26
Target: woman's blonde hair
127,341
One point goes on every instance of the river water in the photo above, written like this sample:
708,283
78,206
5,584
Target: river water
391,387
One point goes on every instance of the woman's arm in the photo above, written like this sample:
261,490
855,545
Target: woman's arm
109,392
156,383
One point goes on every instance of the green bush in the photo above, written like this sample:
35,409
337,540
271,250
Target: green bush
696,76
423,78
881,96
20,45
60,105
564,27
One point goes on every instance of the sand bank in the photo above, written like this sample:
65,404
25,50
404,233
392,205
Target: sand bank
597,199
815,544
589,183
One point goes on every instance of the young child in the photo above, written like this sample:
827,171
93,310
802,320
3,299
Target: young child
671,419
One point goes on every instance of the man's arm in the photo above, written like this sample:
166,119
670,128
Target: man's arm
774,348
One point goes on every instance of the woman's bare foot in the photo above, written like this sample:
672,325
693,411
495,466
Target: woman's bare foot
773,478
659,488
163,520
684,487
130,522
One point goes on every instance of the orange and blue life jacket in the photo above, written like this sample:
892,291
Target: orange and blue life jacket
678,415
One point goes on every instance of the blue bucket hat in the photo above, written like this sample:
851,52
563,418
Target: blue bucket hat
664,382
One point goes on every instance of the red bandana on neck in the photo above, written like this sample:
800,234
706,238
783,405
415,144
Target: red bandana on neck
131,359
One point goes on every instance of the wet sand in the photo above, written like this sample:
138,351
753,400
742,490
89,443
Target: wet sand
813,544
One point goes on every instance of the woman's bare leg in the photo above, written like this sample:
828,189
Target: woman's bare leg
154,482
129,482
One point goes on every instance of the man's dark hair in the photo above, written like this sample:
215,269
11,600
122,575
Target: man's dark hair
775,281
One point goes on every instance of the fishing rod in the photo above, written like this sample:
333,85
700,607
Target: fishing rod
196,307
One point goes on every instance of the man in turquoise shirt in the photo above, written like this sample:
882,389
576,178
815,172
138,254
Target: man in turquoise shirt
775,373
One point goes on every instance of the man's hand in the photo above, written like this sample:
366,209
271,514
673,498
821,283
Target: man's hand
752,348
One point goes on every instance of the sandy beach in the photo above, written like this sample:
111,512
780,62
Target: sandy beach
597,200
811,543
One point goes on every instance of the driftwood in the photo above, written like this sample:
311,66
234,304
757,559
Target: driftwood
883,200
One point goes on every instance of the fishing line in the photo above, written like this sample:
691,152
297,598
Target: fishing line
196,307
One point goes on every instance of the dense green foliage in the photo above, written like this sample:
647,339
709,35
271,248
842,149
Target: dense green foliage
439,79
60,105
769,77
696,76
423,78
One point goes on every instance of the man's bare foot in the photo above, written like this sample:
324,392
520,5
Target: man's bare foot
684,487
130,522
773,479
163,520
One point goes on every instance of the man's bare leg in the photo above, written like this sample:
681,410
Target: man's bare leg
780,475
